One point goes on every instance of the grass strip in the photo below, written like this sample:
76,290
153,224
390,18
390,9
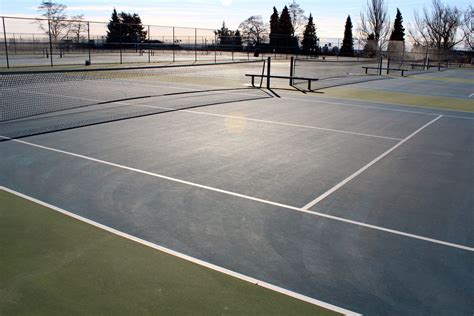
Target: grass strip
439,102
53,264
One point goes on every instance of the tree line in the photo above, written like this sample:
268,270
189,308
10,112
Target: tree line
441,26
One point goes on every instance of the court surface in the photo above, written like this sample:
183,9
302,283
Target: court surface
363,205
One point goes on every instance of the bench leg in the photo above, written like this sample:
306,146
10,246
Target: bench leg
253,81
309,85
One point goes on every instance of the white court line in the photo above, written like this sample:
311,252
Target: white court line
367,166
385,109
180,255
243,196
294,125
268,121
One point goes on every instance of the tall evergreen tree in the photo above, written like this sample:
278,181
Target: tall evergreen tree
347,48
132,28
286,29
310,40
229,40
274,28
396,45
237,40
398,33
224,35
113,28
285,25
125,28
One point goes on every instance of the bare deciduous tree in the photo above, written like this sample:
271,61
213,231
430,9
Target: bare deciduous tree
375,24
54,12
438,27
468,28
253,30
78,26
298,18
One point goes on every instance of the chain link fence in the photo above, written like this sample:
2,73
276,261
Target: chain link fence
30,42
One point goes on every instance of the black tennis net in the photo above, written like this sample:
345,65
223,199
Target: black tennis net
35,102
332,71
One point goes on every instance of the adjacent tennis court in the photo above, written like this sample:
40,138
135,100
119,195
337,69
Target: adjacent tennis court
360,206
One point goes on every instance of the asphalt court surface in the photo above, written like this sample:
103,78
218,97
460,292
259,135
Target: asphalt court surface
234,185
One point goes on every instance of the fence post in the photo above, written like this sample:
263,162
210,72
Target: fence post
5,42
195,45
89,41
174,43
34,44
149,45
120,42
358,49
381,64
427,60
50,43
215,48
14,43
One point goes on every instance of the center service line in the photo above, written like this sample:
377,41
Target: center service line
247,197
367,166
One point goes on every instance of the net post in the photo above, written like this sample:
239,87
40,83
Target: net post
89,41
5,42
269,68
292,69
50,44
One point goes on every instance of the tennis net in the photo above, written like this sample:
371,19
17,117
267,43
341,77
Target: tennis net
36,102
332,71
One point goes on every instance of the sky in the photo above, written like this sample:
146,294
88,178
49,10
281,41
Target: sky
329,16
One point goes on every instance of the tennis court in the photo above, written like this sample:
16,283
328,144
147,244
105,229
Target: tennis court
363,205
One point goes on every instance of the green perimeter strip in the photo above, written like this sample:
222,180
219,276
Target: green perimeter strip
446,79
438,102
53,264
